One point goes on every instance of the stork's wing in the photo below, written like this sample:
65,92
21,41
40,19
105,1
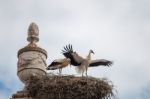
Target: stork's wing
53,65
99,62
74,57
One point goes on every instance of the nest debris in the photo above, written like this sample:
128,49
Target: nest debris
69,87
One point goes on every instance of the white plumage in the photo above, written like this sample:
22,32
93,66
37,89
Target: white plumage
84,64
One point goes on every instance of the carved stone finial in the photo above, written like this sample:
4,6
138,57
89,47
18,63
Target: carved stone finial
31,61
31,58
33,33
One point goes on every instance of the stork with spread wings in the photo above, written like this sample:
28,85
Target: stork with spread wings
81,63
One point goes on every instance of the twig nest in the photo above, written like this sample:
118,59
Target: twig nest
69,87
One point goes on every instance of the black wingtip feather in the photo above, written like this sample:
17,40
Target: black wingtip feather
63,51
67,47
109,63
71,48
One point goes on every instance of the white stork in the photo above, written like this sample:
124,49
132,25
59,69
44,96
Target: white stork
59,64
81,63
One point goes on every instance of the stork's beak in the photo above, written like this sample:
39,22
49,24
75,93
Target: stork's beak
93,52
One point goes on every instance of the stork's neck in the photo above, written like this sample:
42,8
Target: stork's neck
89,56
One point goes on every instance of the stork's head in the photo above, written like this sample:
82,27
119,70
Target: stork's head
91,51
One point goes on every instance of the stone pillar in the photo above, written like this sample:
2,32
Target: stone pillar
31,61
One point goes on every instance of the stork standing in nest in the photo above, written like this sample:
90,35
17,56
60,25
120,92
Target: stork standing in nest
81,63
59,64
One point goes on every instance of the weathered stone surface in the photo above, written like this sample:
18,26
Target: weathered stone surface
31,63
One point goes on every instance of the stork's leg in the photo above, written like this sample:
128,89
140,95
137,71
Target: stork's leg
86,70
70,65
59,71
86,73
82,74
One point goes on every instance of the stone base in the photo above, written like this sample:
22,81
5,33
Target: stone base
21,95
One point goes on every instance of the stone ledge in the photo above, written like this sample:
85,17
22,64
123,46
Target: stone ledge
30,48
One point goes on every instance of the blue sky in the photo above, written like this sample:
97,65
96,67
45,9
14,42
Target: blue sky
117,30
